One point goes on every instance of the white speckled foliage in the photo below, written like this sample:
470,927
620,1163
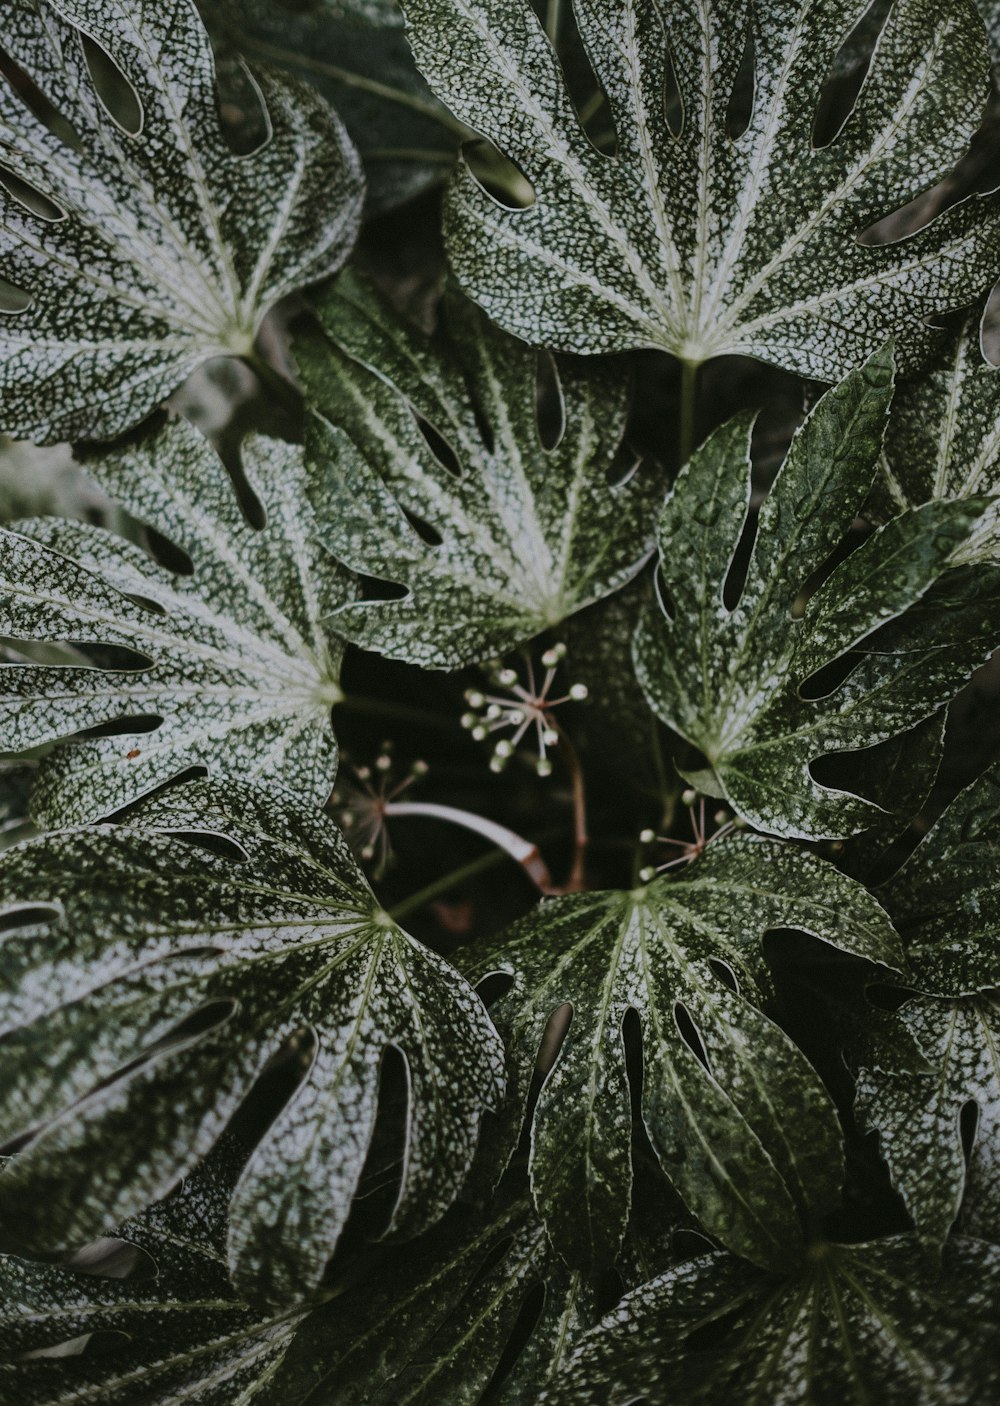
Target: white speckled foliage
528,532
686,954
231,663
943,440
857,1323
154,980
733,679
655,1055
157,248
686,236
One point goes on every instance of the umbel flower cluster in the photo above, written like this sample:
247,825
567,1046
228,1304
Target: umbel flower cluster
499,783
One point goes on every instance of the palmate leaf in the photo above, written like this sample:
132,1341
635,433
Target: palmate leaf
521,534
719,1078
231,663
156,248
182,1334
153,982
734,681
944,437
696,241
917,1103
858,1323
355,53
930,1074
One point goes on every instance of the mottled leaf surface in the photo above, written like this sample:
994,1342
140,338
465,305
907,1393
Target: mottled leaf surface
944,437
355,53
858,1323
718,1078
495,535
687,237
917,1107
181,1334
945,900
231,662
155,246
744,683
152,981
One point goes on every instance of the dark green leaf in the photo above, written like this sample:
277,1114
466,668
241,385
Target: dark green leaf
148,983
684,237
234,666
857,1324
521,534
731,680
719,1078
156,248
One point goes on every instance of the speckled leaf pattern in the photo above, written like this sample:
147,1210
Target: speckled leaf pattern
233,659
527,534
181,1335
153,981
158,248
695,241
731,679
946,898
944,437
355,53
917,1110
686,954
859,1323
432,1327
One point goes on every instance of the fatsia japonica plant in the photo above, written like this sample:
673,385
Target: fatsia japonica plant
499,748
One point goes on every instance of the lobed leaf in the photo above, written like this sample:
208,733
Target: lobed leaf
683,235
507,540
745,684
857,1323
144,250
719,1077
153,981
231,664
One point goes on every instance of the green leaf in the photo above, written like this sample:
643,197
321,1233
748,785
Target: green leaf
153,982
945,900
182,1334
719,1078
944,437
231,662
355,53
693,240
157,248
521,535
858,1323
917,1107
732,680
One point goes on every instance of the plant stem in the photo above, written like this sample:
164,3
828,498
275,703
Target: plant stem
272,381
577,879
378,708
688,407
425,107
523,851
553,14
446,882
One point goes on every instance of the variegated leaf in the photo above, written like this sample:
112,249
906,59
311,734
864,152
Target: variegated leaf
154,246
230,664
855,1324
719,1077
685,236
179,1334
744,683
511,537
148,985
355,53
919,1106
944,437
